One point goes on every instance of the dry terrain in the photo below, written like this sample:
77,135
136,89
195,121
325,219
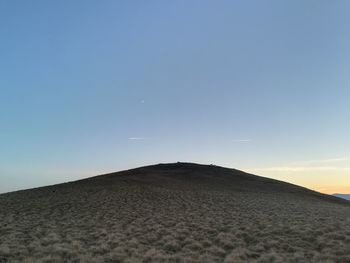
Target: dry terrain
174,213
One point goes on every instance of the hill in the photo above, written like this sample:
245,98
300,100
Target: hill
344,196
178,212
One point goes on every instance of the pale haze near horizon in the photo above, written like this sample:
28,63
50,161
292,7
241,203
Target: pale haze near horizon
89,87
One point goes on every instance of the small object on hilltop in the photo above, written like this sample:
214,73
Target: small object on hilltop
178,212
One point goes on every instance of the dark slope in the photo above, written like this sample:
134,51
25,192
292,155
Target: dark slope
185,176
174,212
343,196
207,176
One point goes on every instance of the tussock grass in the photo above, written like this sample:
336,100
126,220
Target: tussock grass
173,213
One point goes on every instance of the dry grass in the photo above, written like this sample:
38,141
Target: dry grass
173,213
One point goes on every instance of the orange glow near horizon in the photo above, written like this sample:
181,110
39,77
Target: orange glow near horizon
328,180
333,189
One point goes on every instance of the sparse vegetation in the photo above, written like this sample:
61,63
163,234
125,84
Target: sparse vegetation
174,213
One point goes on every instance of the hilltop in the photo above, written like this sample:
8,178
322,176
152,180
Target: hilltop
174,213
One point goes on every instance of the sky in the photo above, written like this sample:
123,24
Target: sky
90,87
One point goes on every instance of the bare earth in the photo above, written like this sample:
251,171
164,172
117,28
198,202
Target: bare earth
174,213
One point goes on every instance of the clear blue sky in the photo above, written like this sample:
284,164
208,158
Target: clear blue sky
89,87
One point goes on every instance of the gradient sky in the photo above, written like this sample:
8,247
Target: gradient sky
89,87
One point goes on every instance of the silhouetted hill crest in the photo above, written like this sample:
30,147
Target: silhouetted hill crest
184,176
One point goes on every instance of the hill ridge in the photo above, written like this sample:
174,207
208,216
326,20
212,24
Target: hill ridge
174,213
207,176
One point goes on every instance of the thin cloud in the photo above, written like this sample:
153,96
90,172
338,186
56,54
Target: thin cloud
242,140
136,138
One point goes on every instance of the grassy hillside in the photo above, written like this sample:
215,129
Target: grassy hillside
174,213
